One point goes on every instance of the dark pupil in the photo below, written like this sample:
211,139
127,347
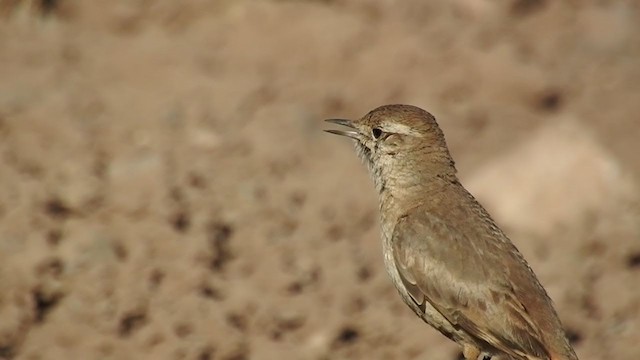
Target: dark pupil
376,132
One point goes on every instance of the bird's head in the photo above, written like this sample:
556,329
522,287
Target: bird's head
399,141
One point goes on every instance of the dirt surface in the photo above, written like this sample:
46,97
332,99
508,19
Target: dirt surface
167,191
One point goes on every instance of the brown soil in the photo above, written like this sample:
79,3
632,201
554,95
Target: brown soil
167,191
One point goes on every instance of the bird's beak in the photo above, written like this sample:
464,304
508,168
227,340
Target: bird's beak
343,122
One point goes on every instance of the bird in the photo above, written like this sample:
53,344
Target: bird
449,260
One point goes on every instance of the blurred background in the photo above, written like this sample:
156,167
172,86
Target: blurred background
166,191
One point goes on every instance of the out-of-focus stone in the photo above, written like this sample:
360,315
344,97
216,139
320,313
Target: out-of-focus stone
204,139
557,178
136,182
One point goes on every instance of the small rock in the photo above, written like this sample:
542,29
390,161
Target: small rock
558,177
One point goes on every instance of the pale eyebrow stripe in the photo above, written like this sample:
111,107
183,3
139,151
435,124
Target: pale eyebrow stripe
399,129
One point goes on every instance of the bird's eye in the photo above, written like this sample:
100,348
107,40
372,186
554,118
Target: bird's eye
376,133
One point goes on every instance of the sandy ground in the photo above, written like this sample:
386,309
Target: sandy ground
167,191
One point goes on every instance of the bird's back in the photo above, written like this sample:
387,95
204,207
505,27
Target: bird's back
471,272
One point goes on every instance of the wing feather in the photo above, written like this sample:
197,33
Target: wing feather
465,278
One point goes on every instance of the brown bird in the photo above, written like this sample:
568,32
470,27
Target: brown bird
449,260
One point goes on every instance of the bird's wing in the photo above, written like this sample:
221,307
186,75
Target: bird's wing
466,279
